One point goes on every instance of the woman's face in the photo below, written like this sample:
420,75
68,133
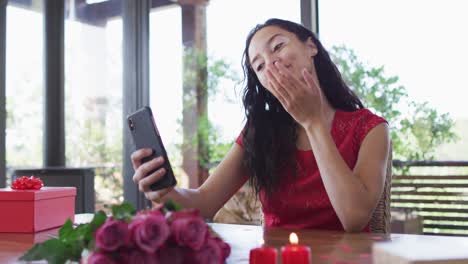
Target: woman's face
271,44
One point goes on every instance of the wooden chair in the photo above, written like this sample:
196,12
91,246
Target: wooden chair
242,208
380,220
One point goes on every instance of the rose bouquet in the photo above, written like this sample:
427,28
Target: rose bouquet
159,235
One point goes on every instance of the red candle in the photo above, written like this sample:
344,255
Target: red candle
295,253
263,255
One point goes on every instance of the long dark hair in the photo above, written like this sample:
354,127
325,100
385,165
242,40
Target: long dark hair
270,133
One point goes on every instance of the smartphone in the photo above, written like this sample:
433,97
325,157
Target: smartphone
145,134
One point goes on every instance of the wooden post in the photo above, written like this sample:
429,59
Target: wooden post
195,106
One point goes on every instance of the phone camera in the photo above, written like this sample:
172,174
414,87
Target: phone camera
130,124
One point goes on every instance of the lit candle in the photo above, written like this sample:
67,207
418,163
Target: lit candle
263,255
295,253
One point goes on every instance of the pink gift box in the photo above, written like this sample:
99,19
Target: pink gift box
28,211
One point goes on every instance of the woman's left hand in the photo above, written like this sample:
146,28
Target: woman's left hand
302,99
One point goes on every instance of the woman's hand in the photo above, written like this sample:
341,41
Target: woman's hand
144,180
302,99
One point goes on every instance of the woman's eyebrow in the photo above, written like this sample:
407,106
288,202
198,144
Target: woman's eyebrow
267,43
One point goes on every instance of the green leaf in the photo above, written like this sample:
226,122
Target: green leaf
124,211
172,206
73,250
71,242
65,230
33,253
89,229
53,250
98,219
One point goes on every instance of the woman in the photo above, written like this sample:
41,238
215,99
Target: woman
316,157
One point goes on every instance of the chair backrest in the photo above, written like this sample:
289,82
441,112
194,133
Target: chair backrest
380,220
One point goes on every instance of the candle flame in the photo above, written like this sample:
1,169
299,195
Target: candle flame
293,239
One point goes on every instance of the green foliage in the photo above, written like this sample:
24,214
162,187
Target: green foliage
211,147
125,211
172,206
95,142
53,250
24,123
219,150
69,244
416,128
215,150
198,63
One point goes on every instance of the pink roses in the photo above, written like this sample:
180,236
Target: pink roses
112,235
188,228
178,237
149,231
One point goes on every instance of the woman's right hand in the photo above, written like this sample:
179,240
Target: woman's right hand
144,180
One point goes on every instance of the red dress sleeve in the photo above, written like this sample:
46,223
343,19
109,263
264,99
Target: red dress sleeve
367,122
239,140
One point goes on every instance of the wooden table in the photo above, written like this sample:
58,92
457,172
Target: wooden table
326,246
348,248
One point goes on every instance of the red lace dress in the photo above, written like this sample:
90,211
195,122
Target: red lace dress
303,202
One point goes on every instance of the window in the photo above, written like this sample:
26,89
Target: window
418,41
24,85
93,93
